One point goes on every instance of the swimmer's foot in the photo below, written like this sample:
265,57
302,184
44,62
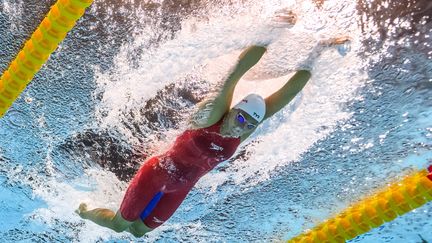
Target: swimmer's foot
284,18
81,210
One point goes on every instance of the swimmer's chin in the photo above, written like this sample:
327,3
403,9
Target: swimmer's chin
235,132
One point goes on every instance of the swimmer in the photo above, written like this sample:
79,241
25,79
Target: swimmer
215,132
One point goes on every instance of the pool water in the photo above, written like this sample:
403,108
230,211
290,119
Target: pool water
125,80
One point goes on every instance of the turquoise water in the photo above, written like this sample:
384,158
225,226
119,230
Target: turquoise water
127,77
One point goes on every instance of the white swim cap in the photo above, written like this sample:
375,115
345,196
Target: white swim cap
254,105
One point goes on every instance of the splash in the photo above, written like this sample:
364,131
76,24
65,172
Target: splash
126,87
195,57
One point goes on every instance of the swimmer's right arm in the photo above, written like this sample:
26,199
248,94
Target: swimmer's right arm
295,84
213,109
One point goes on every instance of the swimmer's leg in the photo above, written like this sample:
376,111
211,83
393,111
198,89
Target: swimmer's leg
104,217
138,228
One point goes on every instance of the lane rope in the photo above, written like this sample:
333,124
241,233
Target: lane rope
401,197
45,39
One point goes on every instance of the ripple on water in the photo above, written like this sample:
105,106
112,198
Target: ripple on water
17,118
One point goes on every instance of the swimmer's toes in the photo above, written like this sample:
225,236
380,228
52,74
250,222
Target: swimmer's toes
81,209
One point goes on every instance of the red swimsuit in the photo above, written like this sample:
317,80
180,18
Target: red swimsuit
163,181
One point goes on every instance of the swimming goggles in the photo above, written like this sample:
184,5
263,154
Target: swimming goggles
242,120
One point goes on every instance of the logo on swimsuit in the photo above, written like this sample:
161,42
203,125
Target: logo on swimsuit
216,147
158,221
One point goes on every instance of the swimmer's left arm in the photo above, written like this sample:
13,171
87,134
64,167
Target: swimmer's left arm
212,110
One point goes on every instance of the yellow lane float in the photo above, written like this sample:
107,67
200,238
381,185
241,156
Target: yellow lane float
57,23
399,198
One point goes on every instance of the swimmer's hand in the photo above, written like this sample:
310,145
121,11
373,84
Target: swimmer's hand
342,44
284,18
337,42
334,41
81,210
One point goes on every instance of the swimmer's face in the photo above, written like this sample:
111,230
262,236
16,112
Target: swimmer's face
238,123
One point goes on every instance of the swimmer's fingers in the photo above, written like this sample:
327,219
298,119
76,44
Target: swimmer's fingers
288,19
340,40
335,41
284,18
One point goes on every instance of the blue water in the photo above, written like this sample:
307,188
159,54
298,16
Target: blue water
131,72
